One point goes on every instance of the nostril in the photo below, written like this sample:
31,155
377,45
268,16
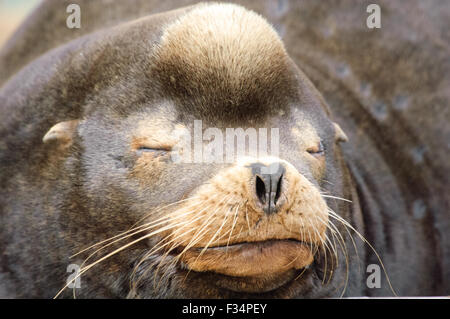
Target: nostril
268,186
278,192
260,190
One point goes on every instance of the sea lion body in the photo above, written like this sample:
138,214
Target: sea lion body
120,77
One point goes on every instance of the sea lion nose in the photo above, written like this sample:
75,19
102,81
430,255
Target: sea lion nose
268,181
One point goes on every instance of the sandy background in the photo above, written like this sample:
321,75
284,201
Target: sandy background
12,12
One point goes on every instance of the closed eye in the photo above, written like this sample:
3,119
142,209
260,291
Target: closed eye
146,148
317,150
154,151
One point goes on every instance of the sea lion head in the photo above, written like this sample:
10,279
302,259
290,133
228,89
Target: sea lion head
246,208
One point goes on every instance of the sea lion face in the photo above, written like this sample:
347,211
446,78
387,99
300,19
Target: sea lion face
256,223
244,224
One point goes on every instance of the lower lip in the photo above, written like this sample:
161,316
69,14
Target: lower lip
250,259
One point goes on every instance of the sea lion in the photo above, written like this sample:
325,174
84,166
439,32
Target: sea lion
89,177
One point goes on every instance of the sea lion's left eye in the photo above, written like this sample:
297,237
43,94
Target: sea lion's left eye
317,150
153,151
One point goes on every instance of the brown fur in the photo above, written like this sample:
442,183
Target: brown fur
226,56
136,82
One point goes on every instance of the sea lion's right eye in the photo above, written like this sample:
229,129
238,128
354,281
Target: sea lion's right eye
317,150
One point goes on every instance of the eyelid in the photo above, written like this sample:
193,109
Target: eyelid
154,148
320,149
145,143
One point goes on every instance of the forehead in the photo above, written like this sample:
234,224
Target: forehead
308,123
161,121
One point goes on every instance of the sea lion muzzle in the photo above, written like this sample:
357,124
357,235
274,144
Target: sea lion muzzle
253,218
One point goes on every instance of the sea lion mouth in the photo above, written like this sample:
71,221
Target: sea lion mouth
250,259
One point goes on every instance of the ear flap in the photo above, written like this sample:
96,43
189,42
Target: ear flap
61,133
339,134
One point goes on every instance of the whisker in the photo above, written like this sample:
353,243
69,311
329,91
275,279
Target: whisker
204,229
86,268
153,223
213,237
234,224
159,246
336,197
343,221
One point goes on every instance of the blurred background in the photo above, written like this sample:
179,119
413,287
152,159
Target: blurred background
12,12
